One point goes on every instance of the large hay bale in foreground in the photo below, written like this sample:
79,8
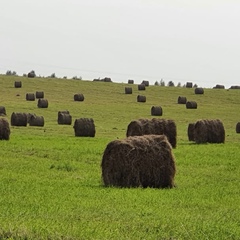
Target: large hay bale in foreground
2,111
128,90
39,94
191,105
141,87
154,126
64,118
17,84
130,81
182,100
211,131
42,103
78,97
37,121
238,127
141,98
84,127
199,90
191,127
30,97
139,161
4,129
19,119
156,111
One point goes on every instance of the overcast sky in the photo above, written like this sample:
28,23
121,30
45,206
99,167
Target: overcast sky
173,40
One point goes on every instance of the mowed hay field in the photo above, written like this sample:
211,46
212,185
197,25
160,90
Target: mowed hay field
50,180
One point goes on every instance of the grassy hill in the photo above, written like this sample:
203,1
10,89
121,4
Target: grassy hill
50,180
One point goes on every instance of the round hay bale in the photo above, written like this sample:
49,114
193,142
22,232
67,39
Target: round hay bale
19,119
78,97
211,131
130,81
238,127
141,87
84,127
42,103
191,105
189,85
30,97
156,111
39,94
218,86
31,74
235,87
191,127
154,126
182,100
4,129
139,161
36,121
128,90
145,82
29,116
141,98
199,90
2,111
17,84
64,118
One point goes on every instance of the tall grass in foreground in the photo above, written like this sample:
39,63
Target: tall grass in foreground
50,181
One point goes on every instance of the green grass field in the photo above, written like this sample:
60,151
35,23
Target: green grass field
50,180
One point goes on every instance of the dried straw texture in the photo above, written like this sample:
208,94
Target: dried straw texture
128,90
238,127
84,127
189,85
19,119
191,105
30,97
182,100
211,131
156,111
140,161
191,127
154,126
199,90
39,94
141,98
42,103
130,81
145,82
36,121
17,84
2,111
141,87
4,129
64,118
78,97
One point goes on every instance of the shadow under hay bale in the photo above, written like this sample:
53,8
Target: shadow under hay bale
19,119
64,118
141,87
37,121
42,103
130,81
189,85
39,94
182,100
218,86
78,97
140,161
154,126
191,105
211,131
191,127
17,84
145,82
128,90
84,127
2,111
141,98
30,97
199,90
238,127
156,111
4,129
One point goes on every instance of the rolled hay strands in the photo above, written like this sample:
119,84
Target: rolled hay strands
30,97
189,85
141,98
64,118
130,81
209,131
2,111
17,84
191,105
156,111
128,90
39,94
182,100
199,90
84,127
145,82
154,126
139,161
191,127
78,97
37,121
141,87
4,129
238,127
19,119
42,103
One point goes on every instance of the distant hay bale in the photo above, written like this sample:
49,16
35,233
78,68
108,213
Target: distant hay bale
42,103
191,105
130,81
64,118
218,86
141,98
238,127
141,87
182,100
106,79
191,127
154,126
156,111
30,97
235,87
199,90
39,94
17,84
189,85
128,90
4,129
145,82
84,127
2,111
211,131
19,119
36,121
78,97
139,161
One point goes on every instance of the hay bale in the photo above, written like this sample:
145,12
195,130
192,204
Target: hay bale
78,97
189,85
17,84
218,86
36,121
19,119
145,82
191,127
156,111
30,97
140,161
141,98
4,129
211,131
2,111
130,81
42,103
64,118
182,100
128,90
191,105
84,127
141,87
238,127
39,94
199,90
29,116
154,126
235,87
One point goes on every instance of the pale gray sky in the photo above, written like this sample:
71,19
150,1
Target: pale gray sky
177,40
